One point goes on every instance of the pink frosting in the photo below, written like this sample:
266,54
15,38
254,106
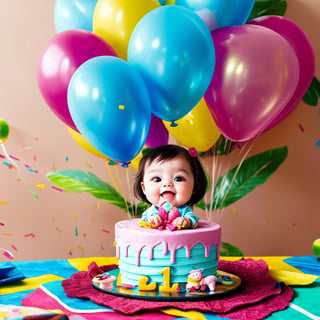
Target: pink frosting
131,234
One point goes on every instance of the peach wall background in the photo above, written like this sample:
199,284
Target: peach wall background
281,217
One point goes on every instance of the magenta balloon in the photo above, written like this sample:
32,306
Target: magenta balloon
256,75
60,58
304,51
158,134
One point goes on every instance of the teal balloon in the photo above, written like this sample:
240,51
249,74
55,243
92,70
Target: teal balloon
173,50
220,13
110,105
74,14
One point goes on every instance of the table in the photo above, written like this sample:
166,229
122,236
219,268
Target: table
300,273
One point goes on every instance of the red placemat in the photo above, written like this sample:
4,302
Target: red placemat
259,297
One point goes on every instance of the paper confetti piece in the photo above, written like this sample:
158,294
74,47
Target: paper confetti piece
14,158
74,216
30,169
76,231
58,189
34,158
7,254
88,165
301,127
121,107
318,143
97,206
1,224
9,165
67,158
84,234
70,252
29,235
6,233
57,229
40,185
104,230
14,247
33,194
3,202
1,156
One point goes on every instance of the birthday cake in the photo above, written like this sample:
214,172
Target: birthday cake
167,260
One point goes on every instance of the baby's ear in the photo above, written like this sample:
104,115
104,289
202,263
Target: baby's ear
142,187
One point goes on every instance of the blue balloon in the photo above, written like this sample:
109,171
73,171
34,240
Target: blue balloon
173,50
220,13
74,14
110,105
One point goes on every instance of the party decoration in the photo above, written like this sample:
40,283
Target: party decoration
172,49
304,51
158,134
217,13
316,247
60,58
114,21
73,14
257,74
83,143
4,130
197,129
110,105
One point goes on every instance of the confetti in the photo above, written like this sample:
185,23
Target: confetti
88,165
76,231
318,143
1,156
104,230
301,127
40,185
1,224
3,202
74,216
29,235
7,254
58,189
14,158
57,229
97,206
34,158
70,252
14,247
67,158
9,165
121,107
6,233
84,234
33,194
30,169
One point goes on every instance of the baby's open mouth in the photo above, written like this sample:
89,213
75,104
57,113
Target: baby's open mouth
167,195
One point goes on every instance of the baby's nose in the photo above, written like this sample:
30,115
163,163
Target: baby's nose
167,183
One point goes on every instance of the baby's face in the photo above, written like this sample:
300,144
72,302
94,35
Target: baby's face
170,181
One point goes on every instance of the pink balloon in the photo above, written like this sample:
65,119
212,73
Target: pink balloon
256,74
304,51
60,58
158,134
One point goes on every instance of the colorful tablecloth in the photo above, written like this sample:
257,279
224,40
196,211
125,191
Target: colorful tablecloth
42,288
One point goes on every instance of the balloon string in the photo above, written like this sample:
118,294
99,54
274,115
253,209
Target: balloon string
7,155
122,189
249,148
131,197
111,177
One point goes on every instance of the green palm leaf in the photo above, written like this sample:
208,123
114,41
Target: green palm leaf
313,94
268,7
254,171
79,181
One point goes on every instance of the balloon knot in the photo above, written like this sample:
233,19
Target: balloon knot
125,164
173,124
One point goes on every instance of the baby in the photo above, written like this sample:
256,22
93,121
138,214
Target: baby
171,180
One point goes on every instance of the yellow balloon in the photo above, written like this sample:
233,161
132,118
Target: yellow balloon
134,163
197,129
82,142
114,21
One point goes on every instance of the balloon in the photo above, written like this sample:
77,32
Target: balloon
63,54
73,14
158,135
110,105
4,131
196,129
114,20
220,13
256,76
172,49
303,49
83,143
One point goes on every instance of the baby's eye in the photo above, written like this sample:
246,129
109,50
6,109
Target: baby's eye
156,179
179,179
